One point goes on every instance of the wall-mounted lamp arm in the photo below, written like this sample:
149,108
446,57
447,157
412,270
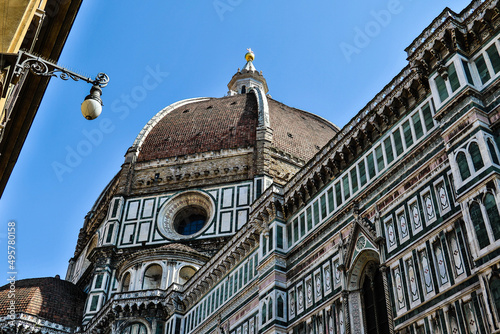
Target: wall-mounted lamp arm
39,66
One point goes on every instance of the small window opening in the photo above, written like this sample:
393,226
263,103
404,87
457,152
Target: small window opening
126,283
190,220
152,277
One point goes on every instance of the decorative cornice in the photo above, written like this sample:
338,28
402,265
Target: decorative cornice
27,323
175,253
449,20
192,158
267,207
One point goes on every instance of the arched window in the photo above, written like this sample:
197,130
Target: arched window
243,89
493,152
463,166
136,328
493,216
478,222
186,273
495,293
264,313
126,282
152,277
270,309
477,160
281,307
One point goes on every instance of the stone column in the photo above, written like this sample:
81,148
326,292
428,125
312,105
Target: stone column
356,319
390,317
345,306
171,267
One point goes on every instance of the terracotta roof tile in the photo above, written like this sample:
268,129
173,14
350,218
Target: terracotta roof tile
231,122
52,299
212,125
298,132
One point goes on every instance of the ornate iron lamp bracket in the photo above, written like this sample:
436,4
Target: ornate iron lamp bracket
43,67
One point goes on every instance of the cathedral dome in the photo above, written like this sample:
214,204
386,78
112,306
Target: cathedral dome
231,122
201,125
206,124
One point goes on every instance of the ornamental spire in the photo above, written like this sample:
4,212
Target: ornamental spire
249,56
247,77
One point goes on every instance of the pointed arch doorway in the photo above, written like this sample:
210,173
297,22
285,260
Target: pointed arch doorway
367,296
373,300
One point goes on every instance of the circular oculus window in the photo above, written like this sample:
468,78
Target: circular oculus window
186,215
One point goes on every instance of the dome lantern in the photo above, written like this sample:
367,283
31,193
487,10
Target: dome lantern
247,78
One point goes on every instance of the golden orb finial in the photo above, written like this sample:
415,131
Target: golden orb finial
249,56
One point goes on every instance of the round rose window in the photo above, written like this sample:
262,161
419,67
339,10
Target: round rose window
190,220
186,215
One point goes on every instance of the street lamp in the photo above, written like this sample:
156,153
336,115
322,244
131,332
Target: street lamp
92,104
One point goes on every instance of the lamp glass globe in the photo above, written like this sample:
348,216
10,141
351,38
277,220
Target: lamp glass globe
91,109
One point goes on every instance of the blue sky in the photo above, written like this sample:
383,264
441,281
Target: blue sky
313,56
